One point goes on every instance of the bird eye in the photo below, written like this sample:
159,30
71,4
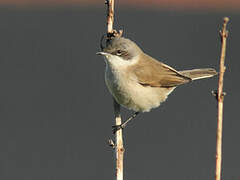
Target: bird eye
119,52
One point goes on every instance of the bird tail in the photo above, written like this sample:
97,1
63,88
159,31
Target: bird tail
195,74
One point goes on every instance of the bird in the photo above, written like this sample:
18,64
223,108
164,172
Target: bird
138,81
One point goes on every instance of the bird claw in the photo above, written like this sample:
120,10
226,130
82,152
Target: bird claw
115,128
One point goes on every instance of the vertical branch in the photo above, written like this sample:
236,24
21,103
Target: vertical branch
110,15
220,98
119,149
119,143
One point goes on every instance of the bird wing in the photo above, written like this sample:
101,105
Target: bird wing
151,72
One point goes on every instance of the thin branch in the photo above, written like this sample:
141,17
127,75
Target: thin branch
118,135
110,15
220,97
119,143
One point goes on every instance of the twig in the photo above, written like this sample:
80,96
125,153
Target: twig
119,143
110,15
220,98
119,149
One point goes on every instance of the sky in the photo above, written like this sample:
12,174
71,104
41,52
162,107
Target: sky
185,4
56,112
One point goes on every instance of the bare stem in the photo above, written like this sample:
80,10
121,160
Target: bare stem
119,143
110,15
118,136
223,34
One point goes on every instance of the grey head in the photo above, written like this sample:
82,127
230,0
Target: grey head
123,48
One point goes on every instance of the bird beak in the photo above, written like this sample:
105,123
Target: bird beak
102,53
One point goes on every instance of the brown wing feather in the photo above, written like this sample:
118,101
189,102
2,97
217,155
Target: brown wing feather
156,74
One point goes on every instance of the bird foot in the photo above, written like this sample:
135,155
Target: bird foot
115,128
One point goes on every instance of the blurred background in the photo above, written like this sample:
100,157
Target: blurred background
56,112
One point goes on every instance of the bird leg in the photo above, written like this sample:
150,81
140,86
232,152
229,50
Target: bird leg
115,128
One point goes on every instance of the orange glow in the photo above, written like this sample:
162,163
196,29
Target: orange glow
199,4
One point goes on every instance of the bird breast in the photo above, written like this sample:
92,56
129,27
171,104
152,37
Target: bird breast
126,90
